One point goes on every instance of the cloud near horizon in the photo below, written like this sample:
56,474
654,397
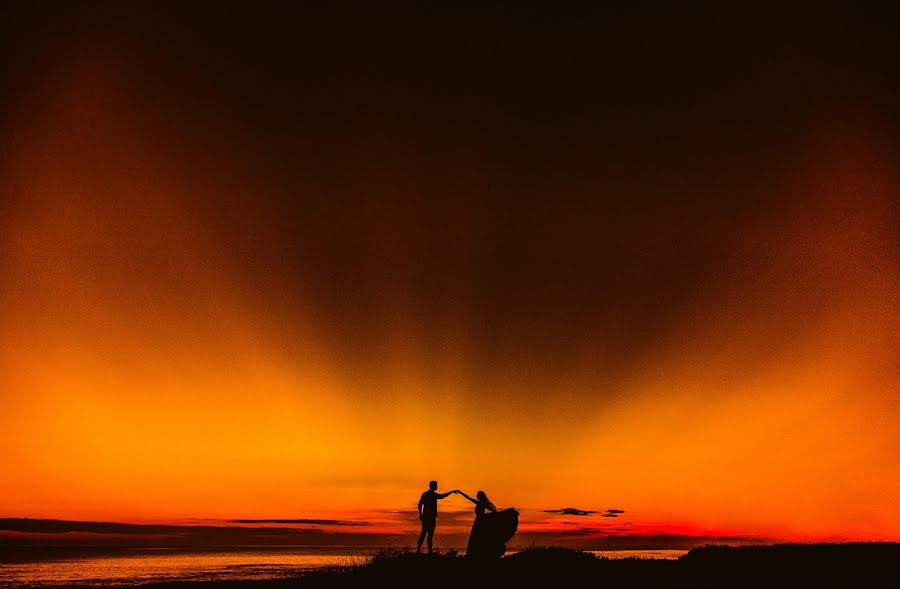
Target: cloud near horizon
569,511
311,522
47,532
583,512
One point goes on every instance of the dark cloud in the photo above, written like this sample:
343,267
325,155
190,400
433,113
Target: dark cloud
50,531
54,526
570,511
576,511
305,522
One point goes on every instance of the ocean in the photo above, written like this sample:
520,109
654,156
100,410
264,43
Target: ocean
88,568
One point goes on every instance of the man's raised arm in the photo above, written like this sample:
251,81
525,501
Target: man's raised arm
447,494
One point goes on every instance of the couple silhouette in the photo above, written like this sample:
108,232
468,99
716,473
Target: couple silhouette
490,531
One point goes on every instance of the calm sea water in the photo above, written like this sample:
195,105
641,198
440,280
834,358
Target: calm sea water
145,566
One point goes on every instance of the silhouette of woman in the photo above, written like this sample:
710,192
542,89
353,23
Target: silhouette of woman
478,538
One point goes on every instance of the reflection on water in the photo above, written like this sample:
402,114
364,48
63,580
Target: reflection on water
658,554
172,565
147,567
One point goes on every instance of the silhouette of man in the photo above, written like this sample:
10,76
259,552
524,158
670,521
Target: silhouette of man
428,513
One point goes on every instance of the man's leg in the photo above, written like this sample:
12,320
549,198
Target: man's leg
421,539
430,539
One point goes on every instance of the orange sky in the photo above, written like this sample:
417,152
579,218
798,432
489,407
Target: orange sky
145,377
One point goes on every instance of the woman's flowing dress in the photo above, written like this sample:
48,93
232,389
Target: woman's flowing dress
490,532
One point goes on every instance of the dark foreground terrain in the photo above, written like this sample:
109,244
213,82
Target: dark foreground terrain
819,565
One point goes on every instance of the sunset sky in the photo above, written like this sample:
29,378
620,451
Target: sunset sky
291,266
